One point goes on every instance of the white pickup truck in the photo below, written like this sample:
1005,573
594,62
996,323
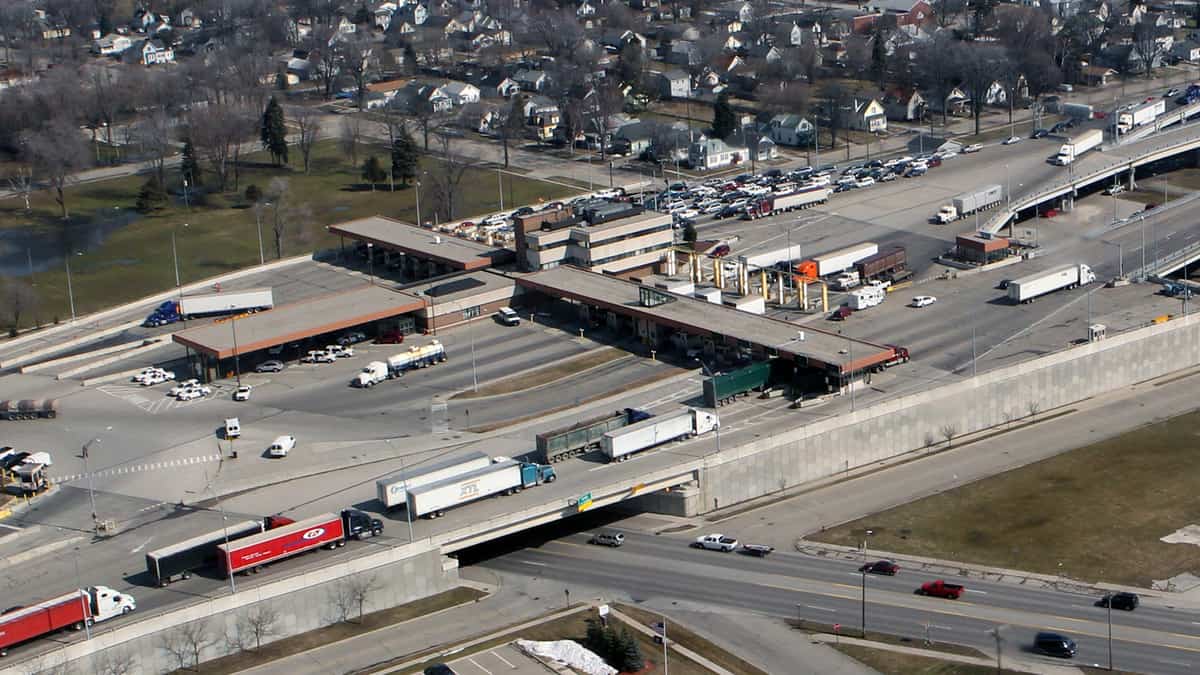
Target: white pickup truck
716,542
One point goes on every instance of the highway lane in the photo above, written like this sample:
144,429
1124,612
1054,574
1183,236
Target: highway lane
824,591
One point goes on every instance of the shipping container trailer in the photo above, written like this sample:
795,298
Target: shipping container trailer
392,490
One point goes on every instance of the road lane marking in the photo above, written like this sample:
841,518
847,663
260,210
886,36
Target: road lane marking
530,562
476,664
506,662
823,609
979,592
142,546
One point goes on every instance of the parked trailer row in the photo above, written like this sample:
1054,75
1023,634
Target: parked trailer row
29,409
392,490
503,477
725,387
179,560
619,445
760,207
558,445
71,610
249,554
886,264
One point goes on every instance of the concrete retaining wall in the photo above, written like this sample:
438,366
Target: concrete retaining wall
303,603
891,428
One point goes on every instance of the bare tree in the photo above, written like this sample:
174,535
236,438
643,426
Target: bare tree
308,124
602,105
1033,407
351,134
218,133
930,439
279,193
427,121
260,623
949,431
116,661
184,644
326,66
354,61
57,153
980,67
513,125
18,299
447,176
936,72
153,134
21,183
1146,43
359,589
339,602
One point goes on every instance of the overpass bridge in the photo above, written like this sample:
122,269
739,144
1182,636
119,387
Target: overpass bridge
1100,165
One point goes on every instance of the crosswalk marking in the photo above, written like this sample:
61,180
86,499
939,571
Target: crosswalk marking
140,468
152,400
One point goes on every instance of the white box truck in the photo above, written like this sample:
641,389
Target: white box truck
1146,113
1077,145
393,490
969,202
1027,288
372,374
619,444
504,477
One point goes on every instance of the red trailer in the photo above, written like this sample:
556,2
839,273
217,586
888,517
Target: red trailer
329,530
70,610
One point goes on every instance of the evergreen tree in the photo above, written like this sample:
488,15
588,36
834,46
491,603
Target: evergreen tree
724,119
253,194
152,196
629,656
373,172
689,233
189,166
410,57
404,156
595,636
610,644
274,132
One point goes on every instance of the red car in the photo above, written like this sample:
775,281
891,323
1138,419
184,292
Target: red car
881,567
720,251
941,589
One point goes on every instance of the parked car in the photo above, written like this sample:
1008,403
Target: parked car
715,542
613,539
841,313
1040,133
242,393
272,366
719,251
1054,644
886,567
1123,600
1172,92
1011,140
507,316
1114,189
865,181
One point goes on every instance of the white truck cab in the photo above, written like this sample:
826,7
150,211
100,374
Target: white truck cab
233,427
281,446
107,603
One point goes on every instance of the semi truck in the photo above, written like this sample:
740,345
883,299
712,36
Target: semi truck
416,357
968,203
1028,288
559,444
212,304
71,610
621,444
771,258
759,207
1077,145
179,560
1145,113
372,374
29,409
329,530
503,477
725,387
392,490
836,261
887,264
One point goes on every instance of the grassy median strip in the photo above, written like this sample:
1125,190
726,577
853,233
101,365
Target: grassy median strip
1096,513
320,637
686,638
888,661
545,375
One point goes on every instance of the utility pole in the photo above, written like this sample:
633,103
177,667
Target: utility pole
864,583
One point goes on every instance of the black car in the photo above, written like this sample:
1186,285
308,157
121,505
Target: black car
874,164
773,173
1054,644
1003,285
1040,133
1123,600
881,567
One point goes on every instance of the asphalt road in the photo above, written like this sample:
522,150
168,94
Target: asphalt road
789,585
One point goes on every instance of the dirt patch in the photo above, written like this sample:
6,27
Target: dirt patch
546,375
1061,516
235,663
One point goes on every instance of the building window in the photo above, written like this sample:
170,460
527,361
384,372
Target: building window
470,313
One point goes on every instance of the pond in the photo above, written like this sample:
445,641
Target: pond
38,248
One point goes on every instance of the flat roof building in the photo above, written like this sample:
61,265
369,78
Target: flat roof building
462,298
440,253
635,242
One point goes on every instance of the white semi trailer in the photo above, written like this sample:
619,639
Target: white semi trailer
618,445
1027,288
503,477
393,490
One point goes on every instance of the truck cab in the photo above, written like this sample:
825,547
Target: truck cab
360,524
946,214
107,603
847,280
536,474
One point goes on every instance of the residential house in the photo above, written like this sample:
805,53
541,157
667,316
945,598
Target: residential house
542,113
955,103
585,9
152,52
346,27
1096,76
419,96
383,15
414,13
112,44
634,139
380,94
298,64
745,13
805,32
996,94
1186,50
52,28
904,105
680,53
868,115
674,84
790,129
708,154
759,147
616,40
189,18
530,80
461,93
497,85
906,12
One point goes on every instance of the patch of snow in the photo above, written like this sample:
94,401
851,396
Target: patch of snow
568,653
1189,534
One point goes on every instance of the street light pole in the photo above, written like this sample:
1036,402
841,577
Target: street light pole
70,293
864,583
237,367
418,203
371,261
1110,659
262,258
91,485
499,187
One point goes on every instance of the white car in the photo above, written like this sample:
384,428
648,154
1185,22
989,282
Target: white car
153,379
716,542
974,147
922,301
242,393
186,384
317,356
281,446
709,210
1012,140
189,394
339,352
865,181
946,154
497,219
686,213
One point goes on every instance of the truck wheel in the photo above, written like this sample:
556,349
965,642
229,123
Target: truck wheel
187,575
77,626
126,610
341,543
552,478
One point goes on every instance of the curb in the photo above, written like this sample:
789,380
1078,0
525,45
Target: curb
534,371
105,351
111,377
158,343
38,551
90,337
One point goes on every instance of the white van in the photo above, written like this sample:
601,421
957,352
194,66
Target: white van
281,446
233,427
508,317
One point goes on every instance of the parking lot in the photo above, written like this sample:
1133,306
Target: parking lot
503,659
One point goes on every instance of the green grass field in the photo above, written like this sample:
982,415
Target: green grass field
221,235
1096,513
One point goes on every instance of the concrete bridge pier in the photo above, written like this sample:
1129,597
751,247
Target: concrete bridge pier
1132,183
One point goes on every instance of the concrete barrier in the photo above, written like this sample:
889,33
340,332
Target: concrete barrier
55,363
157,343
69,344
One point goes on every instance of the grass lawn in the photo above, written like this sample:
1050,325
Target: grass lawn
1095,513
556,371
692,641
135,259
886,661
240,661
574,627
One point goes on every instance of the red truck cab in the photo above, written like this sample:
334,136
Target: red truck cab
941,589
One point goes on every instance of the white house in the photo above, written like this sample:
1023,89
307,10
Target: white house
112,44
675,84
530,80
461,93
154,52
712,153
790,130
